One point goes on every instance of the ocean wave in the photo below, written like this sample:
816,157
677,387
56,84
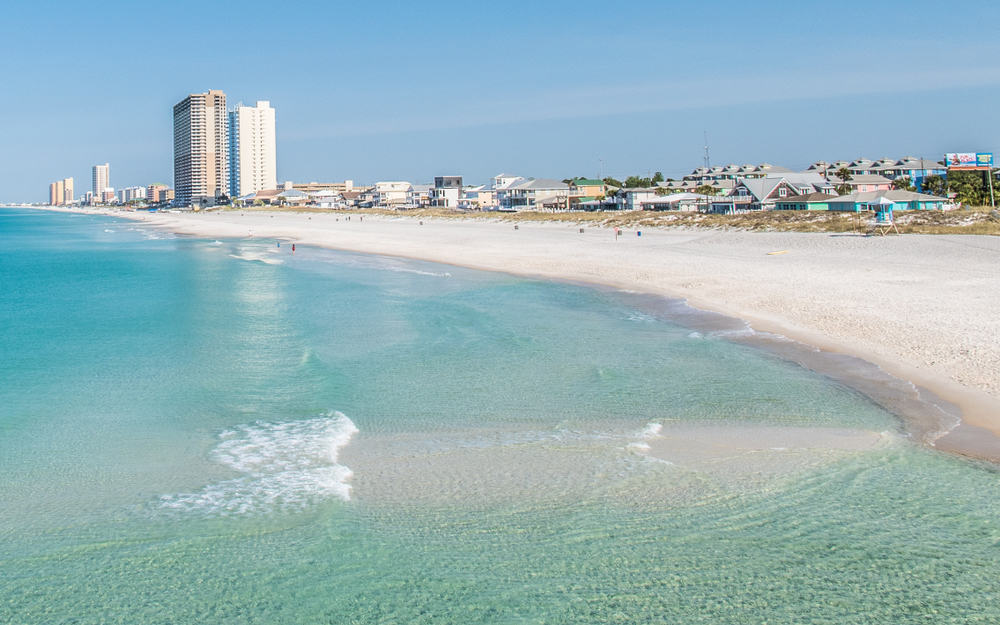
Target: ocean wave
254,257
652,430
286,466
419,272
640,317
734,333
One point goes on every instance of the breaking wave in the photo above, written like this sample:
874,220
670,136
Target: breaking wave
285,466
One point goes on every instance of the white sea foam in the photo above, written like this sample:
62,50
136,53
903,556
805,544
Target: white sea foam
640,317
285,466
108,230
648,433
419,272
255,257
652,431
736,333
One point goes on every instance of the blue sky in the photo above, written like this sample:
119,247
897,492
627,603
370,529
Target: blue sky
407,90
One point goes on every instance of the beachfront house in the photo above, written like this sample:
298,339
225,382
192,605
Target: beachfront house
863,183
390,194
818,201
631,199
720,187
806,182
901,201
502,186
535,194
446,192
478,197
753,194
326,198
733,172
585,190
292,197
684,201
419,196
916,169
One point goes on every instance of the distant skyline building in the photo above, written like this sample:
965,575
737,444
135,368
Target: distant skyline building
157,193
252,158
56,193
61,192
201,148
131,194
101,175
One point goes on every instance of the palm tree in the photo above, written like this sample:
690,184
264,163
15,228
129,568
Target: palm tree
903,184
845,176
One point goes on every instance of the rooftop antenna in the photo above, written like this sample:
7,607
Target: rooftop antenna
707,160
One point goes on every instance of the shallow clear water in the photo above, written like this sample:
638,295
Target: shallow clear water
193,431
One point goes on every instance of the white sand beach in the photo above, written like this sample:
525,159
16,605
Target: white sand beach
925,308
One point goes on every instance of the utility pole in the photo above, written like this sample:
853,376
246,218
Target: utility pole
989,172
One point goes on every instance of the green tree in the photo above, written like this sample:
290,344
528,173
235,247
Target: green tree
969,187
705,189
635,181
658,177
935,185
611,182
845,176
903,184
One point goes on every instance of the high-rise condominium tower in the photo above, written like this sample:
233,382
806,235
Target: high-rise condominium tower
200,147
252,161
101,178
67,191
56,193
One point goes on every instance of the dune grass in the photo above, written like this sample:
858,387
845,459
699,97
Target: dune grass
979,220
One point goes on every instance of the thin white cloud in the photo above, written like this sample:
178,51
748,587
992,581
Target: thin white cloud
772,84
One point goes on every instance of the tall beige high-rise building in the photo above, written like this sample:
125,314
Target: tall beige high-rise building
56,193
201,139
101,179
67,191
252,160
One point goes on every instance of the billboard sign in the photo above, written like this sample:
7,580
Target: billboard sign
968,160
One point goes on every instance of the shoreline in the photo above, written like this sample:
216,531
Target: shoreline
478,245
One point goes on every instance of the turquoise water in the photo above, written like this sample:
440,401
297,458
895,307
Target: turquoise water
197,431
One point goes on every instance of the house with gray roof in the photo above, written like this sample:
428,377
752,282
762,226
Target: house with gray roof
535,194
901,200
863,182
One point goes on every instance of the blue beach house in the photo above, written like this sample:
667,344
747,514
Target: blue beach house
901,201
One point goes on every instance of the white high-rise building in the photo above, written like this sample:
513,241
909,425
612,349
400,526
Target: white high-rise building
252,159
201,140
101,178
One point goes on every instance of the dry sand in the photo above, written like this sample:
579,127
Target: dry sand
925,308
